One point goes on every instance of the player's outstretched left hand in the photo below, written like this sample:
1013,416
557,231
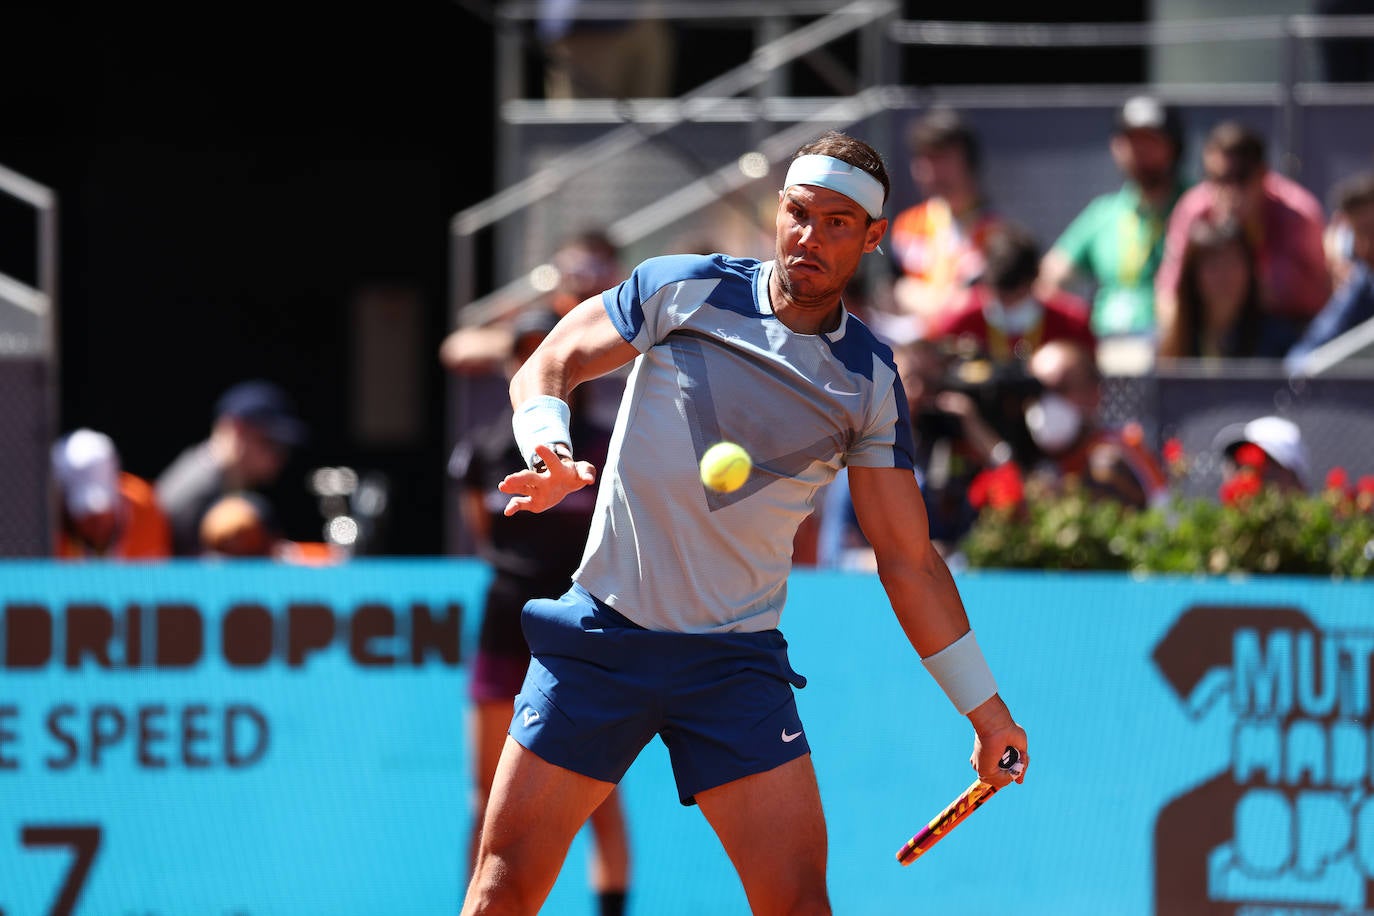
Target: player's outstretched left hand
535,491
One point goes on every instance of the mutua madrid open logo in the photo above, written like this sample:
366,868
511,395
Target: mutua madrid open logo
1288,828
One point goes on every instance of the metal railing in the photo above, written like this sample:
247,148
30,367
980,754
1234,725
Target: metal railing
36,300
29,379
644,121
637,122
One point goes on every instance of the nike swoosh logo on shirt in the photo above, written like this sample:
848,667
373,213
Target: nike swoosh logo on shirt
833,390
788,739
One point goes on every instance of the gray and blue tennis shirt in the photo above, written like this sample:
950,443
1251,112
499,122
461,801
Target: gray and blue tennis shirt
716,364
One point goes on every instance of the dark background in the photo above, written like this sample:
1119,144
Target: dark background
229,177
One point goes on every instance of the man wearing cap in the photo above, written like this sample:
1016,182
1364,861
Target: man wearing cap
104,511
254,430
1117,241
1279,440
670,627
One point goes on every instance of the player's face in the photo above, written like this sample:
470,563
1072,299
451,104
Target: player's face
821,235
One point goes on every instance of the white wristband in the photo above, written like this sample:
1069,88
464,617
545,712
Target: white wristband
540,420
962,672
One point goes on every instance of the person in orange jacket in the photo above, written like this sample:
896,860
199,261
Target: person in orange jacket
103,510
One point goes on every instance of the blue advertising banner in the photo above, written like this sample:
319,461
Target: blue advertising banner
243,738
262,739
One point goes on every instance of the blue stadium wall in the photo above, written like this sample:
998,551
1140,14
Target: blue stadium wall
258,739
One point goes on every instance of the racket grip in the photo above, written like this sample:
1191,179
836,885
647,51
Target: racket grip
1011,761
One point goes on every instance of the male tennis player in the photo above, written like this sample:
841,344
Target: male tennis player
670,627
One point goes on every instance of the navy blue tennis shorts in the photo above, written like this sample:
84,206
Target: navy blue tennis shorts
599,687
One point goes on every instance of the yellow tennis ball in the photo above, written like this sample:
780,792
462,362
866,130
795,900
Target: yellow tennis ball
725,467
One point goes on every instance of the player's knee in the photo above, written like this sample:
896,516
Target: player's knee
805,903
803,895
495,890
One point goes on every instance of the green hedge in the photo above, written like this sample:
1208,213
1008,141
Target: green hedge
1250,527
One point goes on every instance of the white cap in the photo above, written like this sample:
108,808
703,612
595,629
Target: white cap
1280,439
86,467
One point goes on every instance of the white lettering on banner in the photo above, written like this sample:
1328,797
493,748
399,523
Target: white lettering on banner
1316,673
1303,757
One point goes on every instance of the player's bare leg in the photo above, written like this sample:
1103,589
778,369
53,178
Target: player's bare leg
610,866
533,815
487,725
772,827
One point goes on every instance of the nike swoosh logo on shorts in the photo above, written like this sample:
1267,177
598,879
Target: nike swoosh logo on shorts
531,716
833,390
787,739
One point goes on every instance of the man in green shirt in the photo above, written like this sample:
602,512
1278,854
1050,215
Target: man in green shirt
1117,241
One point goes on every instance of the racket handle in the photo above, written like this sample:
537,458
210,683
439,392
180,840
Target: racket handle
970,800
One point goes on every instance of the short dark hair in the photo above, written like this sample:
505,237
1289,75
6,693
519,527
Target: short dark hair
1011,258
1354,191
1243,147
849,149
944,128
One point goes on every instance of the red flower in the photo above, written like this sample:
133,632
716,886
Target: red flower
1241,487
978,490
1007,489
1173,451
1250,455
999,487
1337,479
1366,484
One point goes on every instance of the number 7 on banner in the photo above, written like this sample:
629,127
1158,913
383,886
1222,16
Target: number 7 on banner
970,800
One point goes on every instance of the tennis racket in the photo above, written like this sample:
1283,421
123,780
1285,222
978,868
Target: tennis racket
969,801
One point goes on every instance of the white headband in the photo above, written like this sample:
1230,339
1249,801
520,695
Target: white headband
837,175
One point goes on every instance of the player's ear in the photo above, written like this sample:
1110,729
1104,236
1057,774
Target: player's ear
876,230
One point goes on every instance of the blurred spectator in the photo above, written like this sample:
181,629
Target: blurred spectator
1117,241
1001,318
103,510
1353,303
1266,450
937,244
1283,221
244,524
254,430
531,556
240,525
1063,420
588,57
955,439
954,442
584,264
1217,300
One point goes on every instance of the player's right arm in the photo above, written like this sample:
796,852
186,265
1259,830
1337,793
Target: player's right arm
888,504
584,345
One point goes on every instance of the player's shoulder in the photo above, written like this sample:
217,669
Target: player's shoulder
861,346
857,330
668,268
